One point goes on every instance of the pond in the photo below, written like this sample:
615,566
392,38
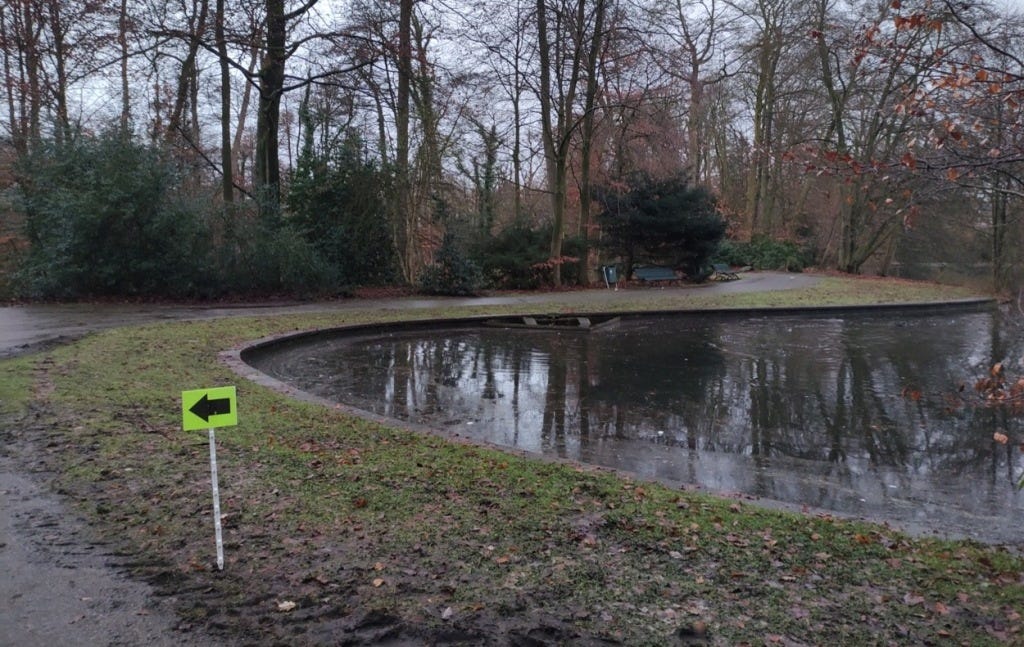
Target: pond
859,413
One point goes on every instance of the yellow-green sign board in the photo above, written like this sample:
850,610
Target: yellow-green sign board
209,408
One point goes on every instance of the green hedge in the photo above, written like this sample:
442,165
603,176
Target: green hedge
764,253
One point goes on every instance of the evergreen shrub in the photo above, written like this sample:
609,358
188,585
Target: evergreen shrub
660,221
452,273
764,253
105,216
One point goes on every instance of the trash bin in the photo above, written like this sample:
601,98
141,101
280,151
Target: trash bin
611,276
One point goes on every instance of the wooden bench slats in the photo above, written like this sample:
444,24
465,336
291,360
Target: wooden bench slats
655,273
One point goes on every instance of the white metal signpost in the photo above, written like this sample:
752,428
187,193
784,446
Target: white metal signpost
209,409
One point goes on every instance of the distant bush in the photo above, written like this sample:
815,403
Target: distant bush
764,253
259,259
660,221
111,216
517,258
453,273
336,201
104,216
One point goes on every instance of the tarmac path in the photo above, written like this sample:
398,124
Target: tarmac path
57,585
24,327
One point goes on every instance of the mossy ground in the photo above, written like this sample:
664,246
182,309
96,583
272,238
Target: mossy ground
343,530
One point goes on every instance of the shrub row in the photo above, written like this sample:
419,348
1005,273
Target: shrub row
764,253
110,216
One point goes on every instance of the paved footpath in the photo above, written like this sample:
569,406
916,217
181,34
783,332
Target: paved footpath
59,588
22,327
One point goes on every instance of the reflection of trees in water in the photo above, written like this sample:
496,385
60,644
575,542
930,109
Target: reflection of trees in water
826,391
983,422
823,390
554,417
844,404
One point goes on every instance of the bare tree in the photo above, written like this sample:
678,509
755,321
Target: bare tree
695,51
565,33
774,24
866,74
971,104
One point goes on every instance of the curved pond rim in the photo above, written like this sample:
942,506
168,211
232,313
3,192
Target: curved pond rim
918,308
236,360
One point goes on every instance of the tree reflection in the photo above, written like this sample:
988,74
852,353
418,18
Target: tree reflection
796,408
553,420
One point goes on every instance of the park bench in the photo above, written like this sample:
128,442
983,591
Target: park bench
651,273
722,272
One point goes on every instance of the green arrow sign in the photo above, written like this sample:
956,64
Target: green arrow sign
209,408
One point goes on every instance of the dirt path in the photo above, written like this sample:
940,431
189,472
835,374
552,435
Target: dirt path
58,582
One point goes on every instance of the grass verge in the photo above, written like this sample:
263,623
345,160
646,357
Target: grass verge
340,530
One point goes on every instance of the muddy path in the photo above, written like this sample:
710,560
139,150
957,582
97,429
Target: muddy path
62,584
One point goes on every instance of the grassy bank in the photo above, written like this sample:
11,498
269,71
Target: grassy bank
339,529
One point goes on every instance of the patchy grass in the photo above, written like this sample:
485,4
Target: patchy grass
849,291
377,533
15,385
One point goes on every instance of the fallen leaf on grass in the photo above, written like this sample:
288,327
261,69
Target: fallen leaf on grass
912,599
941,609
447,613
378,582
286,606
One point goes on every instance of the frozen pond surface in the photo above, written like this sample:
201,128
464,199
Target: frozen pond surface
859,413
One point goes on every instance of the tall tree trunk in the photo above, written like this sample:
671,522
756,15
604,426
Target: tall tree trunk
30,45
1000,223
122,42
405,220
556,134
60,54
15,123
227,179
517,119
694,123
243,114
548,136
758,210
187,81
268,116
517,145
423,93
586,144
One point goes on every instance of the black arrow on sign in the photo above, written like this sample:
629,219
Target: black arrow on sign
206,407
